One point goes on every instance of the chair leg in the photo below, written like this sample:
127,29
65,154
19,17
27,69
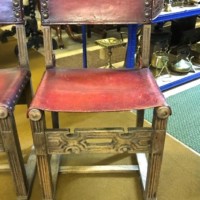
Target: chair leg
59,35
29,93
43,159
26,96
155,157
140,118
45,176
12,148
55,119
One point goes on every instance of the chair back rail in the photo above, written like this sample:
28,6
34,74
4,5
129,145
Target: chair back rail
54,12
11,12
99,11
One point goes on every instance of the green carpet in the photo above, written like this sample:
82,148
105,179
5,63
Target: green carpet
184,124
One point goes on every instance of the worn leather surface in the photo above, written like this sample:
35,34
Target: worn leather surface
94,90
99,11
12,83
10,13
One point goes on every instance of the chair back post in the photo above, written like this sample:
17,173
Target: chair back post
146,38
12,13
22,46
48,47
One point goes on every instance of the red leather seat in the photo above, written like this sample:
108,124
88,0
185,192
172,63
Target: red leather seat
12,84
96,90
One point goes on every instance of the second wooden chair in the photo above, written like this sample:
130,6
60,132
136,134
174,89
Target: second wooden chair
63,90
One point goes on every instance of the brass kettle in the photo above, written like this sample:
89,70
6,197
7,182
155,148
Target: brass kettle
181,65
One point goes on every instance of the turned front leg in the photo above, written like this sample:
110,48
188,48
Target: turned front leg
43,159
155,157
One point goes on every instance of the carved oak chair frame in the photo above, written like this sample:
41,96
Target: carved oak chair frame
97,90
15,88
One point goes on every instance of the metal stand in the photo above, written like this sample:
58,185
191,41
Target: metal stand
110,43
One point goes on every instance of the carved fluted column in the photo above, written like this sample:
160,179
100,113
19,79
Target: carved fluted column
43,159
159,125
12,148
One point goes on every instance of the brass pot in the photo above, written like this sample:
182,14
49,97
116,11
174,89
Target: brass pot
195,52
194,2
159,59
195,47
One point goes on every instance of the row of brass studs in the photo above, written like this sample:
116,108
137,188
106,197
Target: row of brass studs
16,5
147,9
44,6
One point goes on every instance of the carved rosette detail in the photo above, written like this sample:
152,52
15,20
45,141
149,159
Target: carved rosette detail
35,114
69,144
3,112
163,112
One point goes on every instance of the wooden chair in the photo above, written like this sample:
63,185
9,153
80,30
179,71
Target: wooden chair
64,90
15,88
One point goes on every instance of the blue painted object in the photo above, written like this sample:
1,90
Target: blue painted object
84,44
180,82
181,13
131,46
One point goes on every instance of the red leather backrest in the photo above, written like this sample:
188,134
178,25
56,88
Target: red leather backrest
11,12
99,11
